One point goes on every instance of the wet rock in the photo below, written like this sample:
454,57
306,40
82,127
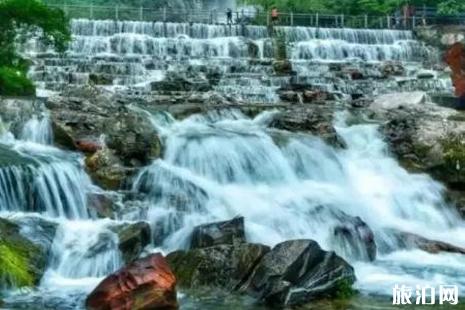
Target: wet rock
104,204
133,139
289,96
133,238
356,240
221,266
412,241
392,69
227,232
282,67
107,171
101,79
22,262
147,283
297,272
361,102
38,230
183,81
15,113
317,120
88,146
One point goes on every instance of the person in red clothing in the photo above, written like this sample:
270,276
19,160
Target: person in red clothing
274,15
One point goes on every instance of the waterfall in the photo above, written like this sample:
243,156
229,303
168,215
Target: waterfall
133,54
38,130
291,186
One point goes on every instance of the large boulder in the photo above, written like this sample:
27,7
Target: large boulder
227,232
297,272
22,262
221,266
145,284
133,238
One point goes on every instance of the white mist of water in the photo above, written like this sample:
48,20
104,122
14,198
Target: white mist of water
291,186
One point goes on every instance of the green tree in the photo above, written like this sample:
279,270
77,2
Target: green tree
19,21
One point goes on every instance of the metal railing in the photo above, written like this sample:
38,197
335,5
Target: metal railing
124,13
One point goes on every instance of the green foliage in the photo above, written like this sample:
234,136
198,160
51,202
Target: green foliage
19,21
14,271
451,7
344,289
14,82
356,7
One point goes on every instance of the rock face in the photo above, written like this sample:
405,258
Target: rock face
96,122
228,232
221,266
145,284
296,272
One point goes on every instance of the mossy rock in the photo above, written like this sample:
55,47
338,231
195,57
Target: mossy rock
22,263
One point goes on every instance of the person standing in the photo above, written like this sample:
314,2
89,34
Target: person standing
229,16
274,15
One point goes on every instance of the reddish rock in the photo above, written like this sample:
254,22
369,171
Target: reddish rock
455,58
147,283
88,146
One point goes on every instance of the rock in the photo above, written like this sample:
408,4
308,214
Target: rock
101,79
133,139
316,120
356,239
133,238
183,82
106,170
398,100
361,103
297,272
316,95
392,69
426,74
38,230
88,146
22,263
227,232
289,96
408,240
147,283
104,204
282,67
62,137
221,266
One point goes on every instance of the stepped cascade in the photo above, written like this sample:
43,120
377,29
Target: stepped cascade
289,137
134,54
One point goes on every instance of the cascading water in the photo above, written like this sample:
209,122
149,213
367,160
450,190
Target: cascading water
290,186
133,54
49,184
38,130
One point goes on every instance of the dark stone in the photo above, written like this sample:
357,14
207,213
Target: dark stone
133,238
227,232
221,266
356,240
297,272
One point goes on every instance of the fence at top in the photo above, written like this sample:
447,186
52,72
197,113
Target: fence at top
423,16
